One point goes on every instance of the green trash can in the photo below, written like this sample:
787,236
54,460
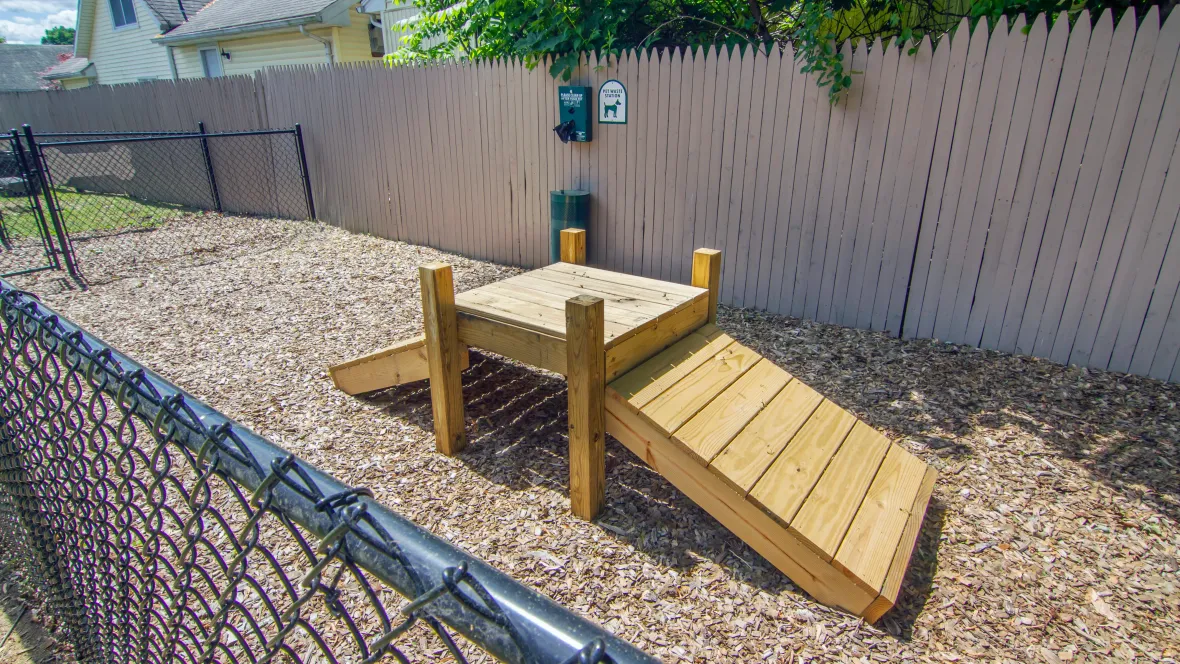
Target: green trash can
568,208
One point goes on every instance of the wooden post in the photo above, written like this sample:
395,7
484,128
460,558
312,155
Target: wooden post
443,355
586,372
706,273
573,246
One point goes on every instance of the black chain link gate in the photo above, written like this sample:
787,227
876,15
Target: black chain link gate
27,243
158,530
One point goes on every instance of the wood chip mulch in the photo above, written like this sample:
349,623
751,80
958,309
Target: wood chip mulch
1052,534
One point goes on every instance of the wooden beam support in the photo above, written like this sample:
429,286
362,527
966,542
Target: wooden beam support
573,246
586,366
444,356
401,363
706,273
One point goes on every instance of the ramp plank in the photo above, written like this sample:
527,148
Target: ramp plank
710,430
684,399
742,462
648,380
868,549
785,486
828,512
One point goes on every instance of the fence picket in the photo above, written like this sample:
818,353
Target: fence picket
1055,246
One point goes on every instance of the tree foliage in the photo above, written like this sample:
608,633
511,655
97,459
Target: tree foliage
60,35
559,30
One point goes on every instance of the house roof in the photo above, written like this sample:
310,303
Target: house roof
22,65
220,16
72,68
175,12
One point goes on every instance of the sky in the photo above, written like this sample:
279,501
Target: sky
25,21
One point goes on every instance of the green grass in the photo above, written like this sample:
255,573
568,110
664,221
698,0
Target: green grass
85,213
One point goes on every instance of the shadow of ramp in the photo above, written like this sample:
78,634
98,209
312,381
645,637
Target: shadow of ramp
517,438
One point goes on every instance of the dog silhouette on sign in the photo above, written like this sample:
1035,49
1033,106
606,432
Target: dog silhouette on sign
611,110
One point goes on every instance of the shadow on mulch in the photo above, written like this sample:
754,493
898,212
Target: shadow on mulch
516,426
1121,428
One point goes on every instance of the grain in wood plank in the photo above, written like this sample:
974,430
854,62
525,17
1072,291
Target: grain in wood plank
622,317
627,351
743,462
829,509
585,362
891,587
640,293
443,353
693,392
538,349
595,274
634,304
789,480
649,379
710,430
868,549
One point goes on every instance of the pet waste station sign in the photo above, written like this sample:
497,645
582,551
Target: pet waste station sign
612,103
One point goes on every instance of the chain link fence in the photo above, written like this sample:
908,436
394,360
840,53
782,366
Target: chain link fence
124,199
158,530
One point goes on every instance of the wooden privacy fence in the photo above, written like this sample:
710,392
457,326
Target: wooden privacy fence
1014,190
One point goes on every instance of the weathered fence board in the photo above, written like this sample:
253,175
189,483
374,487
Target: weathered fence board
1004,189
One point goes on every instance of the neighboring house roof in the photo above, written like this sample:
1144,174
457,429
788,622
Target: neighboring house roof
22,65
175,12
72,68
223,17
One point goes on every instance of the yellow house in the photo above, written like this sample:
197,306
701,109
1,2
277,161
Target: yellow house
125,41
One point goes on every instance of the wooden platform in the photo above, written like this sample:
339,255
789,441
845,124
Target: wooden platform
826,498
641,315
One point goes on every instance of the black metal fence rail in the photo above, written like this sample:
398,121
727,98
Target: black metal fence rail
159,530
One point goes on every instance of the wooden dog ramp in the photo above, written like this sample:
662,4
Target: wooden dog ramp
827,499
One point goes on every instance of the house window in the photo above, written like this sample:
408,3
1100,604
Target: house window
211,62
123,12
